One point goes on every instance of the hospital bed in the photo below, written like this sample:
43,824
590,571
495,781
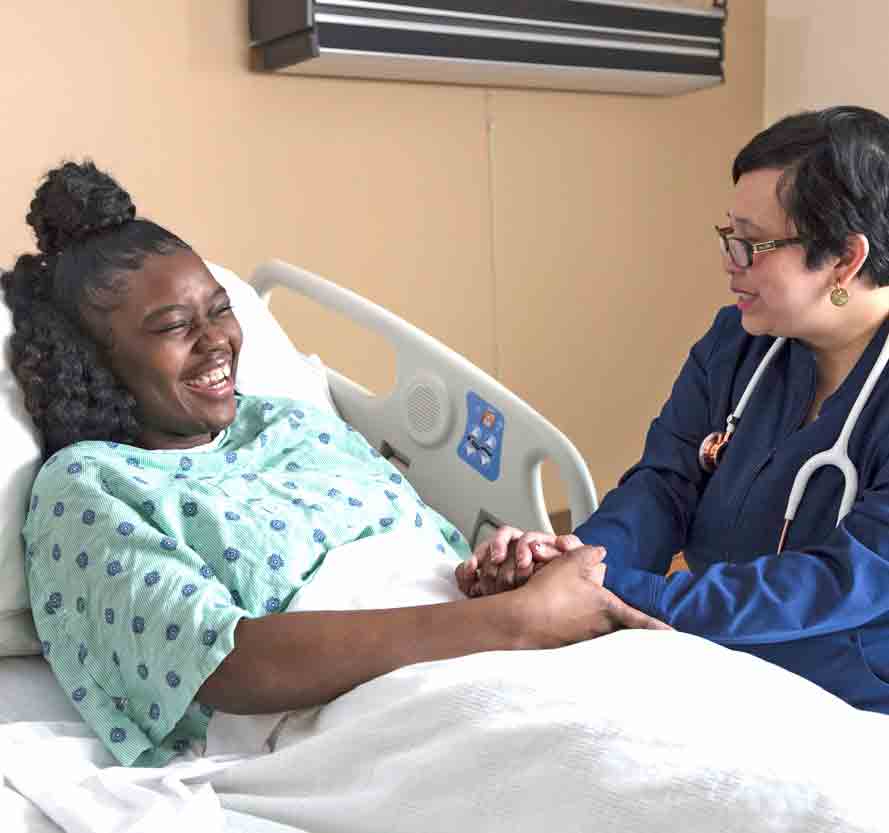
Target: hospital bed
656,757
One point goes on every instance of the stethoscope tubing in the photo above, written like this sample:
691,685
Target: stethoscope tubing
837,455
735,415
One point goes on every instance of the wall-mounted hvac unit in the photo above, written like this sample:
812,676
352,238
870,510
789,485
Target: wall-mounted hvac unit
609,46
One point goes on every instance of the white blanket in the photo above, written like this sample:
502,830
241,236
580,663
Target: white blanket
639,731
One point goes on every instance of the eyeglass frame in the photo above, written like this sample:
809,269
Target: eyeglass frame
750,247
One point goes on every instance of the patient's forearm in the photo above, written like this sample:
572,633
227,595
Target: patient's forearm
291,660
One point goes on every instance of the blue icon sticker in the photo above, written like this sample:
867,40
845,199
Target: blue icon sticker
482,441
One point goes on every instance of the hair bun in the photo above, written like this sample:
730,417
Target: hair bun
74,202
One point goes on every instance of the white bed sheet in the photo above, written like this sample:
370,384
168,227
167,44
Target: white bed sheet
29,691
56,777
31,698
639,731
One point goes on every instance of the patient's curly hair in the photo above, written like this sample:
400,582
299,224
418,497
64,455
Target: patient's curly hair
88,239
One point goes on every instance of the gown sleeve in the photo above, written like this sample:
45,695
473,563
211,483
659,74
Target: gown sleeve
132,621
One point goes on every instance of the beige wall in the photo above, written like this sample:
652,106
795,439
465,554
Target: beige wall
824,52
561,241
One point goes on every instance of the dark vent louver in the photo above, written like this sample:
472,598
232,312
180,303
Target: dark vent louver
551,44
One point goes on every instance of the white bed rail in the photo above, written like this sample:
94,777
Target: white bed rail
422,424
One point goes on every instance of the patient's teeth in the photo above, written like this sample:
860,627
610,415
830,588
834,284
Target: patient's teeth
212,379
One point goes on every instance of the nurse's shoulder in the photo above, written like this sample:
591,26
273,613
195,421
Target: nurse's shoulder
728,343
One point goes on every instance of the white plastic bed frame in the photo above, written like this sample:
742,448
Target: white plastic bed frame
421,423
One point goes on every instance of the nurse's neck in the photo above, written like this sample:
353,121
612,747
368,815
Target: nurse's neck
841,344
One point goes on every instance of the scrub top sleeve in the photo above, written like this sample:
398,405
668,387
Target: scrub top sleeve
638,588
836,586
645,520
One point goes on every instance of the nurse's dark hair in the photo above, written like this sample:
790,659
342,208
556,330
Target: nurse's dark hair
835,181
88,239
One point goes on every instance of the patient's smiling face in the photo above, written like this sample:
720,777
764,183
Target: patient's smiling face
174,343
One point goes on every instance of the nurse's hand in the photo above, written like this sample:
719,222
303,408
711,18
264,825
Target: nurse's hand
566,602
509,558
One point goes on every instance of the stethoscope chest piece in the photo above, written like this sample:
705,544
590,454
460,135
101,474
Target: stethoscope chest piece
713,446
711,450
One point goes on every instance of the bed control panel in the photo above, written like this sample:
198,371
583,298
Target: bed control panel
481,444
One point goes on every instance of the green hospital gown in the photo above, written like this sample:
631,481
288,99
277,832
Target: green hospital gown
141,563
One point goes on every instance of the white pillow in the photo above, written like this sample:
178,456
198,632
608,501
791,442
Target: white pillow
269,365
21,452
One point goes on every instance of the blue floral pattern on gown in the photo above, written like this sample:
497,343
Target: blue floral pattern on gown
141,563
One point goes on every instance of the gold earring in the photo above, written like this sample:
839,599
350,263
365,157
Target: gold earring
839,297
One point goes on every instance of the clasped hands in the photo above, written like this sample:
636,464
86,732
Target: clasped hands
556,572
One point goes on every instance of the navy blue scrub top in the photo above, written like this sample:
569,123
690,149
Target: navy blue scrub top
819,609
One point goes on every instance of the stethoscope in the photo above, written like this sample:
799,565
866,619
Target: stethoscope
713,446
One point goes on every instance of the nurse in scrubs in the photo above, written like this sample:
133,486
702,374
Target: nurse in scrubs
805,249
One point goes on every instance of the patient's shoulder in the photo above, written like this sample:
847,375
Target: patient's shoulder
73,460
264,410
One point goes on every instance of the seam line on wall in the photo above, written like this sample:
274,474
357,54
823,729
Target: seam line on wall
489,136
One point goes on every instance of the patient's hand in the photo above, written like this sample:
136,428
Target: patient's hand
509,559
567,603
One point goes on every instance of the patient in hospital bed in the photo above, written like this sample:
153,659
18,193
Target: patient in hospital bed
173,521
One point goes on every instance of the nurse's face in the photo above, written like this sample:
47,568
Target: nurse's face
777,294
174,343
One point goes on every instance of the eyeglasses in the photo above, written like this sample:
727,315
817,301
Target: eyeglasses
741,251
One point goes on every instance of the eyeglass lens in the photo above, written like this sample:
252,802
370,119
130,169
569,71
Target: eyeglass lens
736,249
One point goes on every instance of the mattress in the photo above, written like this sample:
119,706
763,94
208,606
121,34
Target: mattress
29,691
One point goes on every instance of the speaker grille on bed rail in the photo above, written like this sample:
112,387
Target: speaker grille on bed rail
427,410
423,409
